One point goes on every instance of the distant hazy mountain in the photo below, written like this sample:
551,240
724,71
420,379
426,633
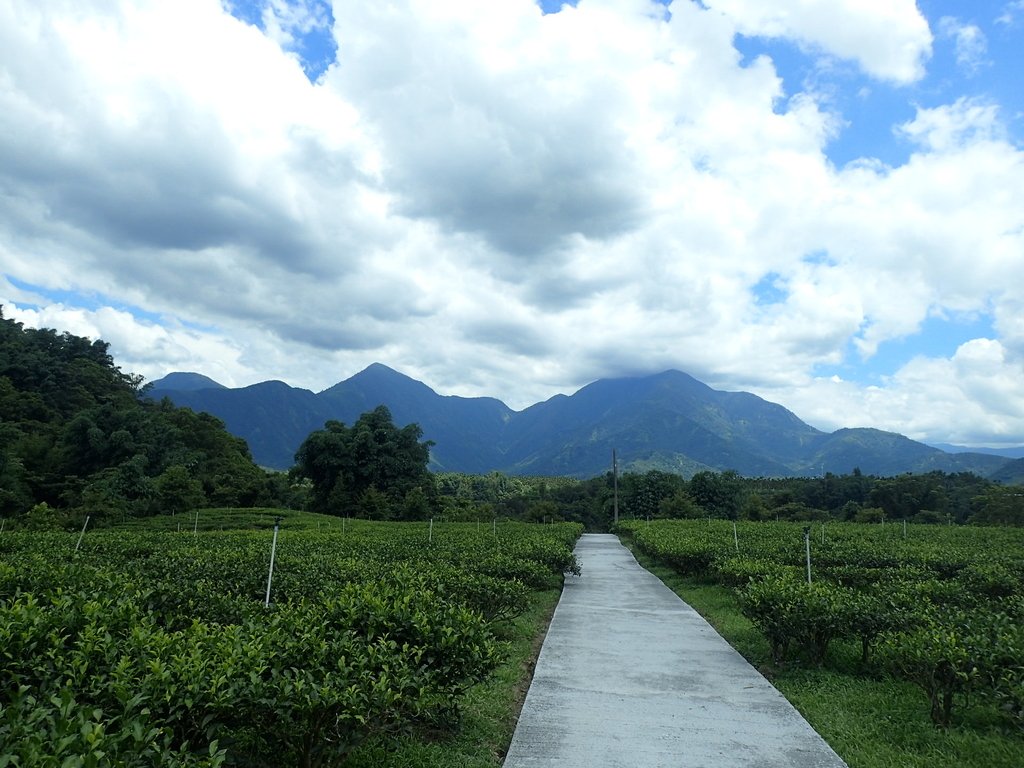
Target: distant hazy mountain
464,429
1011,473
668,421
1016,452
272,417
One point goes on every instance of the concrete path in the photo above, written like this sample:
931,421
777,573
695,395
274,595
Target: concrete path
630,676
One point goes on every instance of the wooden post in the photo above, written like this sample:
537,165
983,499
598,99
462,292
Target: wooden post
615,486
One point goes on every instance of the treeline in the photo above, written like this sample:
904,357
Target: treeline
77,437
934,497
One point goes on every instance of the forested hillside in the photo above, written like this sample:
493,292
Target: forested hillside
77,439
668,421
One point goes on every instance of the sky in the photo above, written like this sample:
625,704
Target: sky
817,201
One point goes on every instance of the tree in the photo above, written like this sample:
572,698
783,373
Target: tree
904,496
415,505
344,463
870,515
679,505
78,434
753,508
178,492
999,505
720,494
543,512
373,505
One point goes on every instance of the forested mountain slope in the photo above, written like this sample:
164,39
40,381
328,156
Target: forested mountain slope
76,436
668,421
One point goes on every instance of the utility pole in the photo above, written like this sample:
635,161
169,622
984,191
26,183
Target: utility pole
615,486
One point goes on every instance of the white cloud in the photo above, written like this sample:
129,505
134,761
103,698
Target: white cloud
493,200
889,39
971,398
970,43
950,126
145,348
1011,12
286,20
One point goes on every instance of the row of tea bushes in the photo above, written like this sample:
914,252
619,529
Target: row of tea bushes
157,649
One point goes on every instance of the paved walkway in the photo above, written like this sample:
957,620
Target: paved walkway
631,677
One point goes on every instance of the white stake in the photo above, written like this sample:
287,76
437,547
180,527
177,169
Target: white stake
430,532
195,528
807,542
273,551
735,537
86,523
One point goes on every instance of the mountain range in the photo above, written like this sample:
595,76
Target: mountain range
668,421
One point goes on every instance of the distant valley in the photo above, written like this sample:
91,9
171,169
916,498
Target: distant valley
669,421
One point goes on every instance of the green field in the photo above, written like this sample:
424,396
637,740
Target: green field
907,649
398,644
383,643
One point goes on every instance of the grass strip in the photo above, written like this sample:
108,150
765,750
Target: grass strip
871,720
490,709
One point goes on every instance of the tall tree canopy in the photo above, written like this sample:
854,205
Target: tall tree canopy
77,434
372,469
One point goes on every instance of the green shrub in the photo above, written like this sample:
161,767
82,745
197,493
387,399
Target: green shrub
794,613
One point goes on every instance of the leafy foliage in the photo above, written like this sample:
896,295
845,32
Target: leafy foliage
933,498
78,437
370,468
156,649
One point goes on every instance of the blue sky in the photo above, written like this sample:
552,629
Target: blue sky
814,200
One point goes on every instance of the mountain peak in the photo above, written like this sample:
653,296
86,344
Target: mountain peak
381,370
378,379
182,381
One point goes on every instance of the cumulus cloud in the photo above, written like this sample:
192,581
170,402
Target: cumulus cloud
145,348
501,202
889,39
973,398
951,126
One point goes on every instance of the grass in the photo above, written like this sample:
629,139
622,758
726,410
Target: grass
490,709
871,721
